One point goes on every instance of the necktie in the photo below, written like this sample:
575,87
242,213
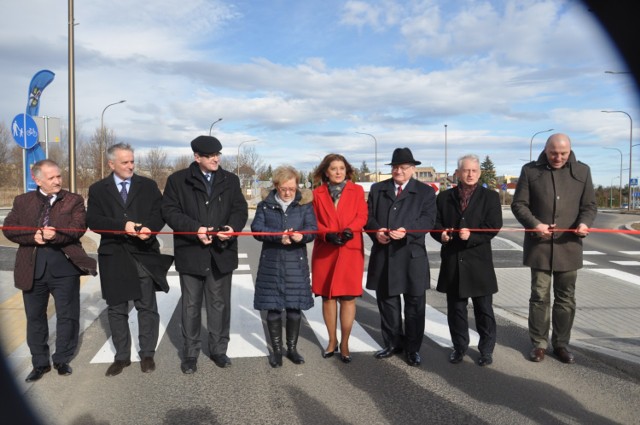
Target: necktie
47,210
123,191
207,180
399,191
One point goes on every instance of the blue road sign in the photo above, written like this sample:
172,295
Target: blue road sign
504,186
633,182
24,131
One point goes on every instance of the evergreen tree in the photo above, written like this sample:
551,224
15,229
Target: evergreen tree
488,175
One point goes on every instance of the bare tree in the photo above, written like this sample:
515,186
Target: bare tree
182,162
156,166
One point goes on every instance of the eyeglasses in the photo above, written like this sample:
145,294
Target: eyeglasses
401,167
287,189
209,155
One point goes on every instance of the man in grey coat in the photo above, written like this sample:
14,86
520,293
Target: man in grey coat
555,202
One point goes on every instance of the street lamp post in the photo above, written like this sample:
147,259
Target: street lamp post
630,150
238,158
619,187
212,124
375,151
103,137
531,143
611,192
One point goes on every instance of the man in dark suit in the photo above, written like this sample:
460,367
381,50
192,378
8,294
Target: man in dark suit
124,208
466,270
204,204
48,224
398,264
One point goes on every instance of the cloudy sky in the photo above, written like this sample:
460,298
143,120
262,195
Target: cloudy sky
302,77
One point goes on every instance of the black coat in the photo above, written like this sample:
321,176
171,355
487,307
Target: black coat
403,264
467,266
283,273
186,207
107,215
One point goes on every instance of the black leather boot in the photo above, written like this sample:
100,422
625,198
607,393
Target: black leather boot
275,333
293,330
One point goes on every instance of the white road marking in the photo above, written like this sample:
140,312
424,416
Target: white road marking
627,277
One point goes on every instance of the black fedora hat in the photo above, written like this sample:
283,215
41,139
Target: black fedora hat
403,156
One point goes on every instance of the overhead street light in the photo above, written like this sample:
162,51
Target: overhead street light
619,187
531,143
214,123
630,151
376,151
103,137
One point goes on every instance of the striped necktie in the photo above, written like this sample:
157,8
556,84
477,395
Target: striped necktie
123,191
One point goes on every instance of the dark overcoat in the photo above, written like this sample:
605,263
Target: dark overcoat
564,197
402,265
186,207
283,273
67,215
337,270
466,269
107,215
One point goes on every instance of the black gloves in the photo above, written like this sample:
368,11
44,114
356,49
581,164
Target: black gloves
334,238
339,238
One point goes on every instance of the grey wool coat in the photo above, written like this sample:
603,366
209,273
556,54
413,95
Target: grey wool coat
564,197
283,280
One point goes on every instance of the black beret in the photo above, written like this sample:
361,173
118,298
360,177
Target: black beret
206,145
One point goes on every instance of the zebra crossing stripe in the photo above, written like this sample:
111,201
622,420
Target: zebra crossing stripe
246,332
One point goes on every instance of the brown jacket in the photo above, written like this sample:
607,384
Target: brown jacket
564,197
67,215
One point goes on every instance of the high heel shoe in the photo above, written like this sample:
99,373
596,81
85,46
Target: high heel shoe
345,359
327,354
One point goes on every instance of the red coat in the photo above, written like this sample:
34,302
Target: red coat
337,270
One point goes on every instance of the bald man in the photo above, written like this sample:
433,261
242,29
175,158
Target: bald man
554,192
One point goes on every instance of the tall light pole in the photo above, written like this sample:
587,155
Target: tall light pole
212,124
531,142
103,137
238,159
375,143
630,149
611,193
446,175
620,187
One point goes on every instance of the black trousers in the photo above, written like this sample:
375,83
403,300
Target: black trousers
148,321
66,296
390,308
215,288
457,318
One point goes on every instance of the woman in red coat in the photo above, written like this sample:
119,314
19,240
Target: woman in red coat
337,262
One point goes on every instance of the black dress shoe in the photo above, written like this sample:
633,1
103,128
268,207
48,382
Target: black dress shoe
63,369
537,354
147,364
221,360
327,354
116,367
189,365
485,360
345,359
564,355
456,356
413,359
37,373
387,352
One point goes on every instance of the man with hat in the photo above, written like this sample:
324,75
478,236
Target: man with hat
204,204
401,210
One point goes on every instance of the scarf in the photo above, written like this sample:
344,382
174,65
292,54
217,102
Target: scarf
283,204
465,192
336,190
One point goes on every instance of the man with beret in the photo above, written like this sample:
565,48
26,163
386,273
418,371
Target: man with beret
401,210
203,204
